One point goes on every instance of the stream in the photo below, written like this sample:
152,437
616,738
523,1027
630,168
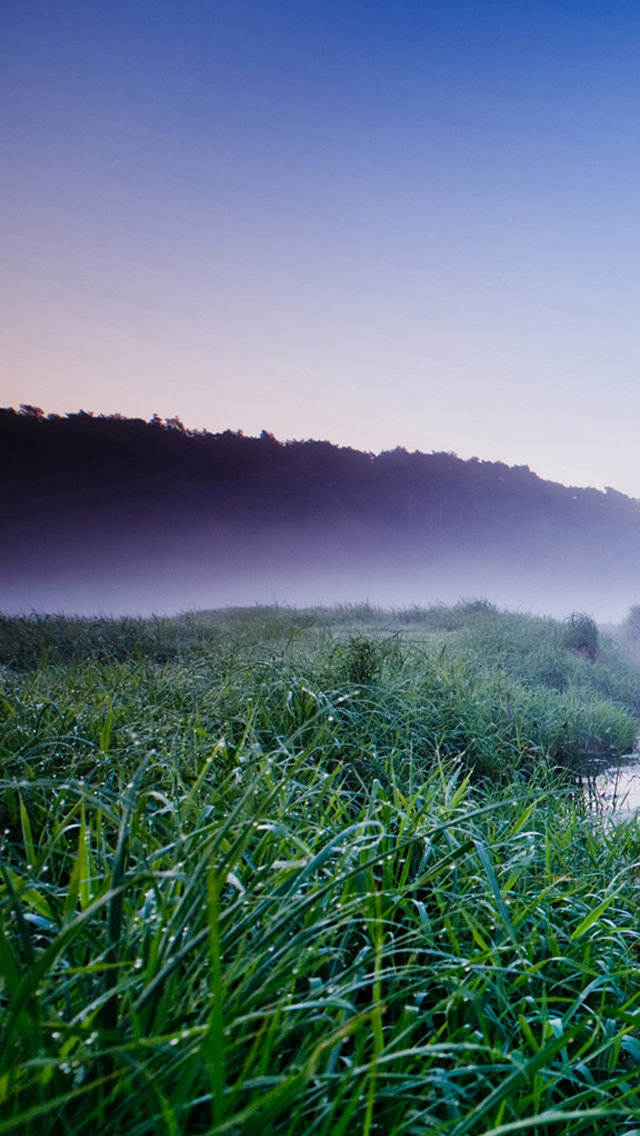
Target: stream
615,790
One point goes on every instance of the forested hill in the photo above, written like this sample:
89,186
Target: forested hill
91,484
80,459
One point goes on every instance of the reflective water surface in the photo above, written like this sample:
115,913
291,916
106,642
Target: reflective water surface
616,789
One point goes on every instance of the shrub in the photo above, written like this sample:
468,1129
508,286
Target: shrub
581,635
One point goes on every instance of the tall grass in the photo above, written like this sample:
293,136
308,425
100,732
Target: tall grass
297,883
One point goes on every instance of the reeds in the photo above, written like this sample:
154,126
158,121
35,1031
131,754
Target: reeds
236,898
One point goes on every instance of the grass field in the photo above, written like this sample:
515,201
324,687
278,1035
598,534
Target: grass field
320,872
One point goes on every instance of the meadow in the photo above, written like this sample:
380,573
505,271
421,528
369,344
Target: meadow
317,872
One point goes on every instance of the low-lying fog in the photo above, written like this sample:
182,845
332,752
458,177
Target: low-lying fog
118,516
143,576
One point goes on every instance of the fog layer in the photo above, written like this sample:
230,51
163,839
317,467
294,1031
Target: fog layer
114,516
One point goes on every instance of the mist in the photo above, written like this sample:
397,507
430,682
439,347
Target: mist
164,574
116,516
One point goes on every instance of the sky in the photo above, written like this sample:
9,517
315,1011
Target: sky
385,223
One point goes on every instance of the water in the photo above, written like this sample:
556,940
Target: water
615,790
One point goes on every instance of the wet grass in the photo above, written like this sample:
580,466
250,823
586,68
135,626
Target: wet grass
320,872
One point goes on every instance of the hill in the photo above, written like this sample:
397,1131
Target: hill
120,514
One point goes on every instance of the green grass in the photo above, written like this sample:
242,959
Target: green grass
314,873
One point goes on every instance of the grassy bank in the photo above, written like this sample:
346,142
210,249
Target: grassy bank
315,872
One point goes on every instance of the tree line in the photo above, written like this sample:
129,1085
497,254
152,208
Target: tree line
82,461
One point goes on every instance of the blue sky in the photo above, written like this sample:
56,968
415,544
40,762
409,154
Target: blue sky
382,223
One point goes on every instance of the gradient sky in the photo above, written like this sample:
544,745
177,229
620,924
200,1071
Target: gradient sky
392,222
